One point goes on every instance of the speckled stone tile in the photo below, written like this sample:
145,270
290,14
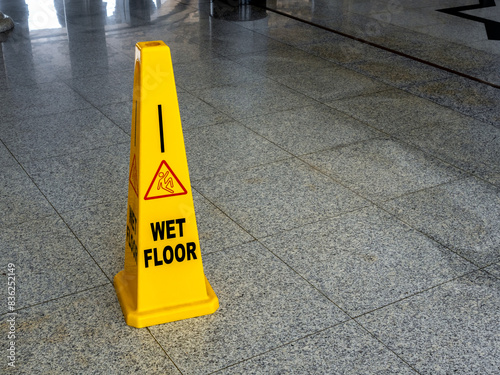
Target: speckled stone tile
277,62
199,75
120,114
366,259
263,304
452,328
342,50
253,99
398,71
86,334
330,83
43,99
290,31
102,230
6,158
345,349
78,57
204,26
277,196
381,169
469,60
49,260
195,112
462,215
273,21
494,270
395,111
104,89
471,98
239,41
310,129
216,231
83,179
20,199
227,147
63,133
466,143
455,30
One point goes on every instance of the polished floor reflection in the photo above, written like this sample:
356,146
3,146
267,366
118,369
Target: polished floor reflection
345,165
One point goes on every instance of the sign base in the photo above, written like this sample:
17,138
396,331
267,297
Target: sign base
163,315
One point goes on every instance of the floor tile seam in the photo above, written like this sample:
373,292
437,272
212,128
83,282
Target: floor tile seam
279,79
391,50
465,172
85,248
47,66
381,136
86,75
453,180
268,351
386,346
62,297
300,155
395,137
377,204
57,213
62,112
489,272
226,122
164,350
257,50
408,89
114,73
119,52
308,282
374,127
241,122
421,292
242,169
325,219
194,90
74,153
230,218
112,121
16,164
431,237
317,102
415,29
347,66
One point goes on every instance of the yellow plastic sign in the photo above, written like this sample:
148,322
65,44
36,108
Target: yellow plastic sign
163,278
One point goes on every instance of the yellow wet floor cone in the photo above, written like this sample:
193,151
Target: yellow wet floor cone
163,279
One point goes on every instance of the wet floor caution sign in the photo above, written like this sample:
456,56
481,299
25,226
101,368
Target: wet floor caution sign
163,278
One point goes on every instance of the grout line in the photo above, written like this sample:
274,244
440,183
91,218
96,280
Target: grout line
162,348
56,298
477,270
364,41
58,214
282,345
386,346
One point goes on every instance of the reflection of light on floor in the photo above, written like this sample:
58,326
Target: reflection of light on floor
42,15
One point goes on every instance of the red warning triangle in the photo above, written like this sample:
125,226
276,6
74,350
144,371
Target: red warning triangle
132,177
165,184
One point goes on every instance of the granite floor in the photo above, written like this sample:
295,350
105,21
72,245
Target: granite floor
345,164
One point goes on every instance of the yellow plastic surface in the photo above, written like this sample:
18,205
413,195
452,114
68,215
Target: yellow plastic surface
163,278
